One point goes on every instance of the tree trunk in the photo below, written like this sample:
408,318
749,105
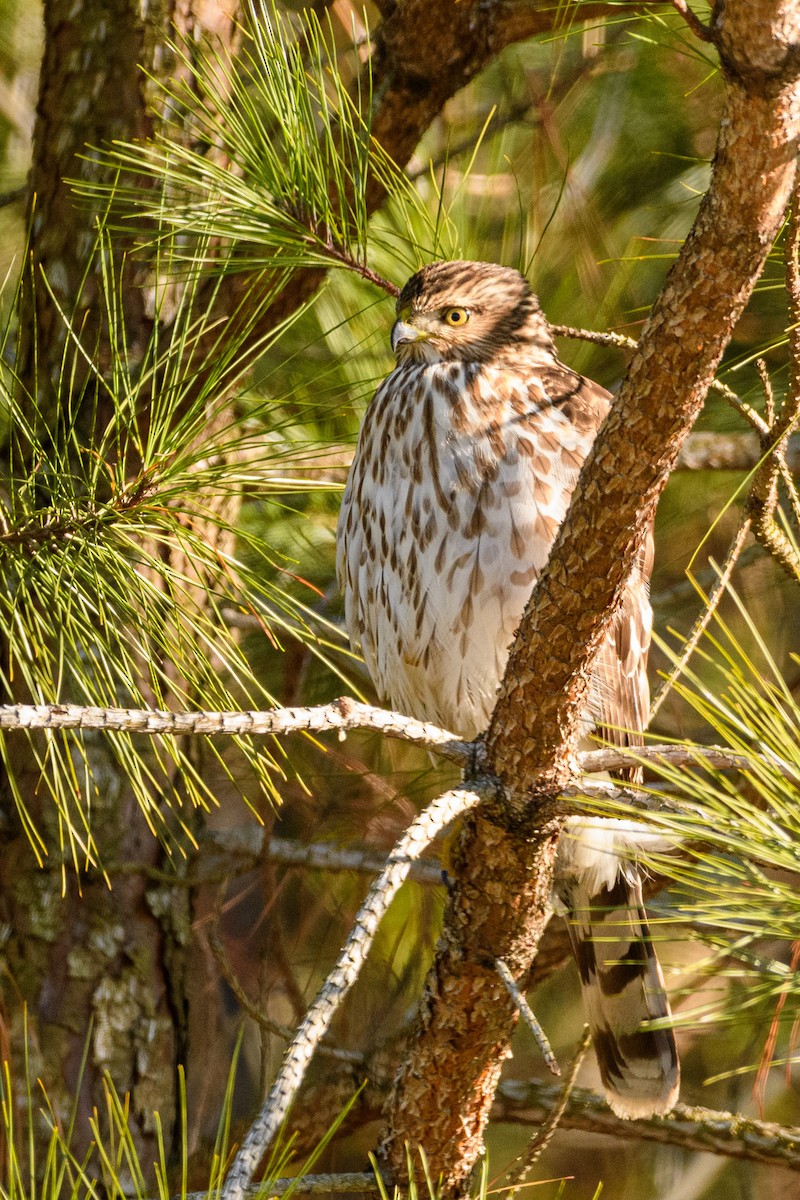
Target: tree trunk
535,723
91,966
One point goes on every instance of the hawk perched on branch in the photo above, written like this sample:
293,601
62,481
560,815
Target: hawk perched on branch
464,469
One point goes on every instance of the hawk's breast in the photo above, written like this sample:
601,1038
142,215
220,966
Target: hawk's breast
461,478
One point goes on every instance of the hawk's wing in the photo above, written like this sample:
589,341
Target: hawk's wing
620,694
620,699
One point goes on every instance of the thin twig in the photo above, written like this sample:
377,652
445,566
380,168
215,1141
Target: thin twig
539,1143
690,1127
766,387
792,261
791,487
716,757
307,1185
352,264
701,624
775,541
317,1021
245,1003
589,794
763,499
693,21
622,342
528,1016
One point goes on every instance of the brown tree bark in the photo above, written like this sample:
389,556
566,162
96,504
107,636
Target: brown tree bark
99,82
87,966
535,724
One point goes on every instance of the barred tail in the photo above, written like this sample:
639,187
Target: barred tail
623,988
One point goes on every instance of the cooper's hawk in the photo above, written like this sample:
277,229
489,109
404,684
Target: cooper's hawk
465,465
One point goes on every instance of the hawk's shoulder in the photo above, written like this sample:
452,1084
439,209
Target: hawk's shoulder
583,402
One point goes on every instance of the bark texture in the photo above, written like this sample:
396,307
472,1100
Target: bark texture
100,65
498,908
94,968
531,740
535,723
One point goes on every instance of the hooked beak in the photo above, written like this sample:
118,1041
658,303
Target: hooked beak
404,335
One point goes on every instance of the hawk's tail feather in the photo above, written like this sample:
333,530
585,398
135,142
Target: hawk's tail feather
623,989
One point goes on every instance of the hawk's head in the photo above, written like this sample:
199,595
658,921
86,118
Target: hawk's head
468,311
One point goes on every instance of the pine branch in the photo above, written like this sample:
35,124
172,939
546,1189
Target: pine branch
695,24
341,715
763,499
345,715
359,1182
436,817
688,1126
623,342
528,1016
674,755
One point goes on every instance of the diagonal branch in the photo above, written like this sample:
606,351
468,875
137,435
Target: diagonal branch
693,21
763,499
317,1022
539,705
532,738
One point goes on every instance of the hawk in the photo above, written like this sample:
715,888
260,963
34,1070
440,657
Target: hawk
465,465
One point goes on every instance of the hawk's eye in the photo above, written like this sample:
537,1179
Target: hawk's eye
455,316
